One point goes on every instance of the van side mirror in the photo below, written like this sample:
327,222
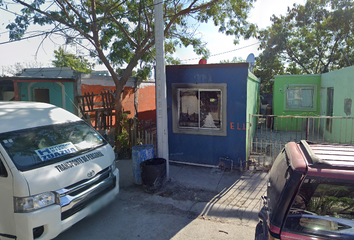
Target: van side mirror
3,172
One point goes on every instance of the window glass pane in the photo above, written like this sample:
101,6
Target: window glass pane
277,181
188,109
300,97
323,207
307,98
210,109
294,98
199,109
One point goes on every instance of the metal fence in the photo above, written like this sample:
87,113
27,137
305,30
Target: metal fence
270,133
141,132
136,132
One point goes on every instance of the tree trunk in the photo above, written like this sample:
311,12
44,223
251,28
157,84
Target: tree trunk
120,83
136,97
118,115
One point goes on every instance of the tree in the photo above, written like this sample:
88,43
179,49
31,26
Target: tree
234,60
18,67
66,59
266,68
121,33
310,39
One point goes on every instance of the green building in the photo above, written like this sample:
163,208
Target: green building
326,100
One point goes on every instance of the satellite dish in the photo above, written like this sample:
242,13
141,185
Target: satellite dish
251,60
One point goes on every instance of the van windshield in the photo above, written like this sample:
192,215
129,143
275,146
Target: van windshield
37,147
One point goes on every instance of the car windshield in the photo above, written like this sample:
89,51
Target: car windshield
323,207
36,147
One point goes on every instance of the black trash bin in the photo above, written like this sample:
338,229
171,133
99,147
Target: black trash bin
153,174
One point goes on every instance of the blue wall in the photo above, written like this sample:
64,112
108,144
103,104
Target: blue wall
204,149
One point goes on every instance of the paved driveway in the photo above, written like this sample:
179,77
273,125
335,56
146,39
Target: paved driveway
197,203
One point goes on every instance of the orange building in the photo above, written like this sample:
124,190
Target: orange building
140,92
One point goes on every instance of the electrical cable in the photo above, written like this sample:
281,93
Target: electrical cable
217,54
49,32
59,30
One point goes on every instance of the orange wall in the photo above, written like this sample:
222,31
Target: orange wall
147,103
146,99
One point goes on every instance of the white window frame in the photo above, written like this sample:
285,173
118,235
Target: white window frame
177,88
300,87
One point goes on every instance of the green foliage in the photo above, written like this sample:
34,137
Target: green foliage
266,68
65,59
331,200
143,73
234,60
123,137
122,32
310,39
172,61
18,67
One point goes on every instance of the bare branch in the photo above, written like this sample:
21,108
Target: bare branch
295,59
139,26
108,9
125,32
74,10
61,5
148,22
188,10
89,37
86,10
114,8
96,39
334,49
94,28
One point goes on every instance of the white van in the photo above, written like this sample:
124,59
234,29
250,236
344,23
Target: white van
55,170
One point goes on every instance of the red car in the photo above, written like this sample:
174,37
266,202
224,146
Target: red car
310,193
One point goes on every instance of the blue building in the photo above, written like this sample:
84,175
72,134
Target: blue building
209,111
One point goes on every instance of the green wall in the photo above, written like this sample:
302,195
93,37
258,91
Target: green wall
279,100
55,93
253,106
342,82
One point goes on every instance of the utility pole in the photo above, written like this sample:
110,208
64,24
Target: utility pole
160,84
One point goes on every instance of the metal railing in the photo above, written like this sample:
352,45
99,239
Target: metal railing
272,132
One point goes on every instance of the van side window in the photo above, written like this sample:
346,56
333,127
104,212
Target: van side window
3,172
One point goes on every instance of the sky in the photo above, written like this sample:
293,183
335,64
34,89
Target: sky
221,46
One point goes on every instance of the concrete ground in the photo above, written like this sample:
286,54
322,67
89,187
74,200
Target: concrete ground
196,203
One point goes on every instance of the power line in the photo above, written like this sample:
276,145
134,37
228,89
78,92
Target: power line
94,53
213,55
36,35
16,14
54,31
6,10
